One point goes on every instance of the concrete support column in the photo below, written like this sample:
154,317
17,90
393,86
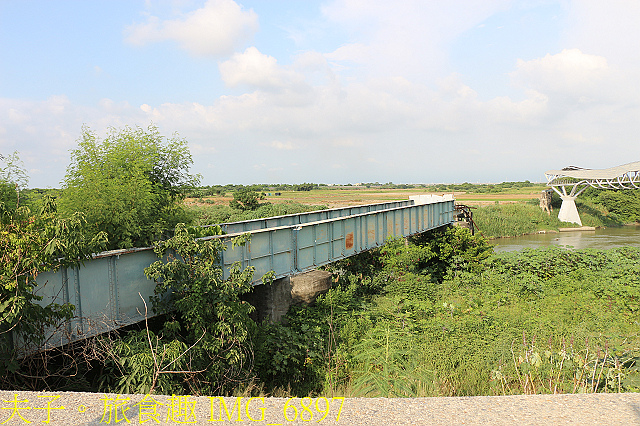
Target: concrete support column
568,211
273,301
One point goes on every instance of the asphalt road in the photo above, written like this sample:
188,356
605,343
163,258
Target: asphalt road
72,408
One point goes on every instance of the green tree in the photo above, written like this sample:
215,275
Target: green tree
246,199
13,179
623,204
205,339
129,184
32,243
304,187
213,319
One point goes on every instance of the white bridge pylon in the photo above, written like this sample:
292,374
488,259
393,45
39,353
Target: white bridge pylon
578,179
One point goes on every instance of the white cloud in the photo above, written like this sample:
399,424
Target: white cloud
216,29
416,133
581,90
384,106
570,72
606,28
283,146
199,149
407,38
311,61
529,112
262,72
353,52
15,116
254,69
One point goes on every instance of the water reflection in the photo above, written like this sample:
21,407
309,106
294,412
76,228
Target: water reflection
600,239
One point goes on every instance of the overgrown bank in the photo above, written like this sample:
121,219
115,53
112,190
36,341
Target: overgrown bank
597,208
438,315
442,316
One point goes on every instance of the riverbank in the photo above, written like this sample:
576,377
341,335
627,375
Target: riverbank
552,231
510,220
517,219
602,238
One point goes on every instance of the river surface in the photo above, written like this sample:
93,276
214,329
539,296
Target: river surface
599,239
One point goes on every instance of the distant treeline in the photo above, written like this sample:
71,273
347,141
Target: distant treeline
484,187
213,190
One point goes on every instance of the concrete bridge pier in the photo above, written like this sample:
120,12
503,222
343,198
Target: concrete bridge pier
273,301
568,211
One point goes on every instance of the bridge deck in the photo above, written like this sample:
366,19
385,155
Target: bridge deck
107,290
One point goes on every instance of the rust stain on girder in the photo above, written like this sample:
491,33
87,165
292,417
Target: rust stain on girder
348,242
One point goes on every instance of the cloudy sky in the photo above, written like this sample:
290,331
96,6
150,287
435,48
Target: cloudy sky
335,91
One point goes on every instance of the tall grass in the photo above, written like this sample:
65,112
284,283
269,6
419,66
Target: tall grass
509,220
514,219
537,321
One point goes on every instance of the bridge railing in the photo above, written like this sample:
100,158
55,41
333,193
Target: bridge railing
289,250
108,291
307,217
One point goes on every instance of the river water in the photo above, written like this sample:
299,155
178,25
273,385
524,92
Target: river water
599,239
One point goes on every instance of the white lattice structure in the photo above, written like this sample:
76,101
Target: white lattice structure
578,179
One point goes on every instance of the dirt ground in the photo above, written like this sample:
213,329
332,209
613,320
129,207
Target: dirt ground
487,199
351,197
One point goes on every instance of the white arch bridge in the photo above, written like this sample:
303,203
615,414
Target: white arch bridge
577,179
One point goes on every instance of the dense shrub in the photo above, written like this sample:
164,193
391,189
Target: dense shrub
507,220
129,185
537,321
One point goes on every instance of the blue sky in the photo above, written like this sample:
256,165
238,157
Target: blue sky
328,91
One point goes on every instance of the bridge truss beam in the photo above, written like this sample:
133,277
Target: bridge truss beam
111,291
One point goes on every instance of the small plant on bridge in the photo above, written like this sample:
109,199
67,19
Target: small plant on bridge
204,317
32,243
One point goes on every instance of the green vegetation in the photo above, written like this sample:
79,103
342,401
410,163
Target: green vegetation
483,188
507,220
621,205
443,317
129,185
215,214
204,339
246,199
13,180
438,314
305,187
212,190
487,188
32,242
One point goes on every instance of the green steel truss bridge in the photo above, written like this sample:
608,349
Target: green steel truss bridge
108,291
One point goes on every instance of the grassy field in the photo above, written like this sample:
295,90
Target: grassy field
341,197
500,212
